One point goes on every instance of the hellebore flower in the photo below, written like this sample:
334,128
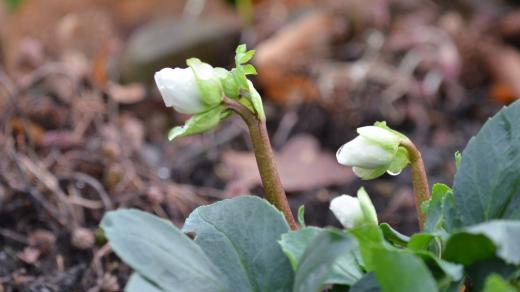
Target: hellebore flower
353,212
375,151
190,90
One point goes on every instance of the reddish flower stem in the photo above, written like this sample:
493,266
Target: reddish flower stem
421,188
265,160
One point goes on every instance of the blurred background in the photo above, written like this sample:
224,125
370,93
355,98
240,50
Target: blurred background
83,128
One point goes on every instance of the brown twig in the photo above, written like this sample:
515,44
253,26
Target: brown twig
92,182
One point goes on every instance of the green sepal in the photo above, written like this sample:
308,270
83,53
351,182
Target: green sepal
229,84
200,123
369,173
458,159
240,77
301,216
208,83
401,160
247,103
393,236
256,100
249,69
383,125
367,207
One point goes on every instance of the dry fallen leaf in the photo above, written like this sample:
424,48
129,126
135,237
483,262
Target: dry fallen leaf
504,63
279,59
43,240
29,255
126,94
301,163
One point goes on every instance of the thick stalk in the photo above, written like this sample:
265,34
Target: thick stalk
421,188
265,160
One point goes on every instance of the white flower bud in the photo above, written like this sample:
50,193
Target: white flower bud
353,212
179,90
373,152
347,209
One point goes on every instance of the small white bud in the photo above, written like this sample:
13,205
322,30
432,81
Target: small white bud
372,152
347,210
353,212
179,90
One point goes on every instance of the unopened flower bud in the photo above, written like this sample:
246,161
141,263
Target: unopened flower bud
375,151
190,90
353,212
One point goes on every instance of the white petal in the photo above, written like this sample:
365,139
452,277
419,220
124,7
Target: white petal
347,210
364,153
179,89
381,136
204,71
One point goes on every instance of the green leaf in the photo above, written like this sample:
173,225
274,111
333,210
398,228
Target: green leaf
398,271
393,235
422,245
345,269
499,238
495,283
136,283
420,241
160,252
319,257
441,213
240,236
374,247
366,284
294,243
505,235
466,248
453,271
199,123
301,216
479,271
487,183
369,237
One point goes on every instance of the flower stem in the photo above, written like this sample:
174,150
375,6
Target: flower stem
271,182
421,187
